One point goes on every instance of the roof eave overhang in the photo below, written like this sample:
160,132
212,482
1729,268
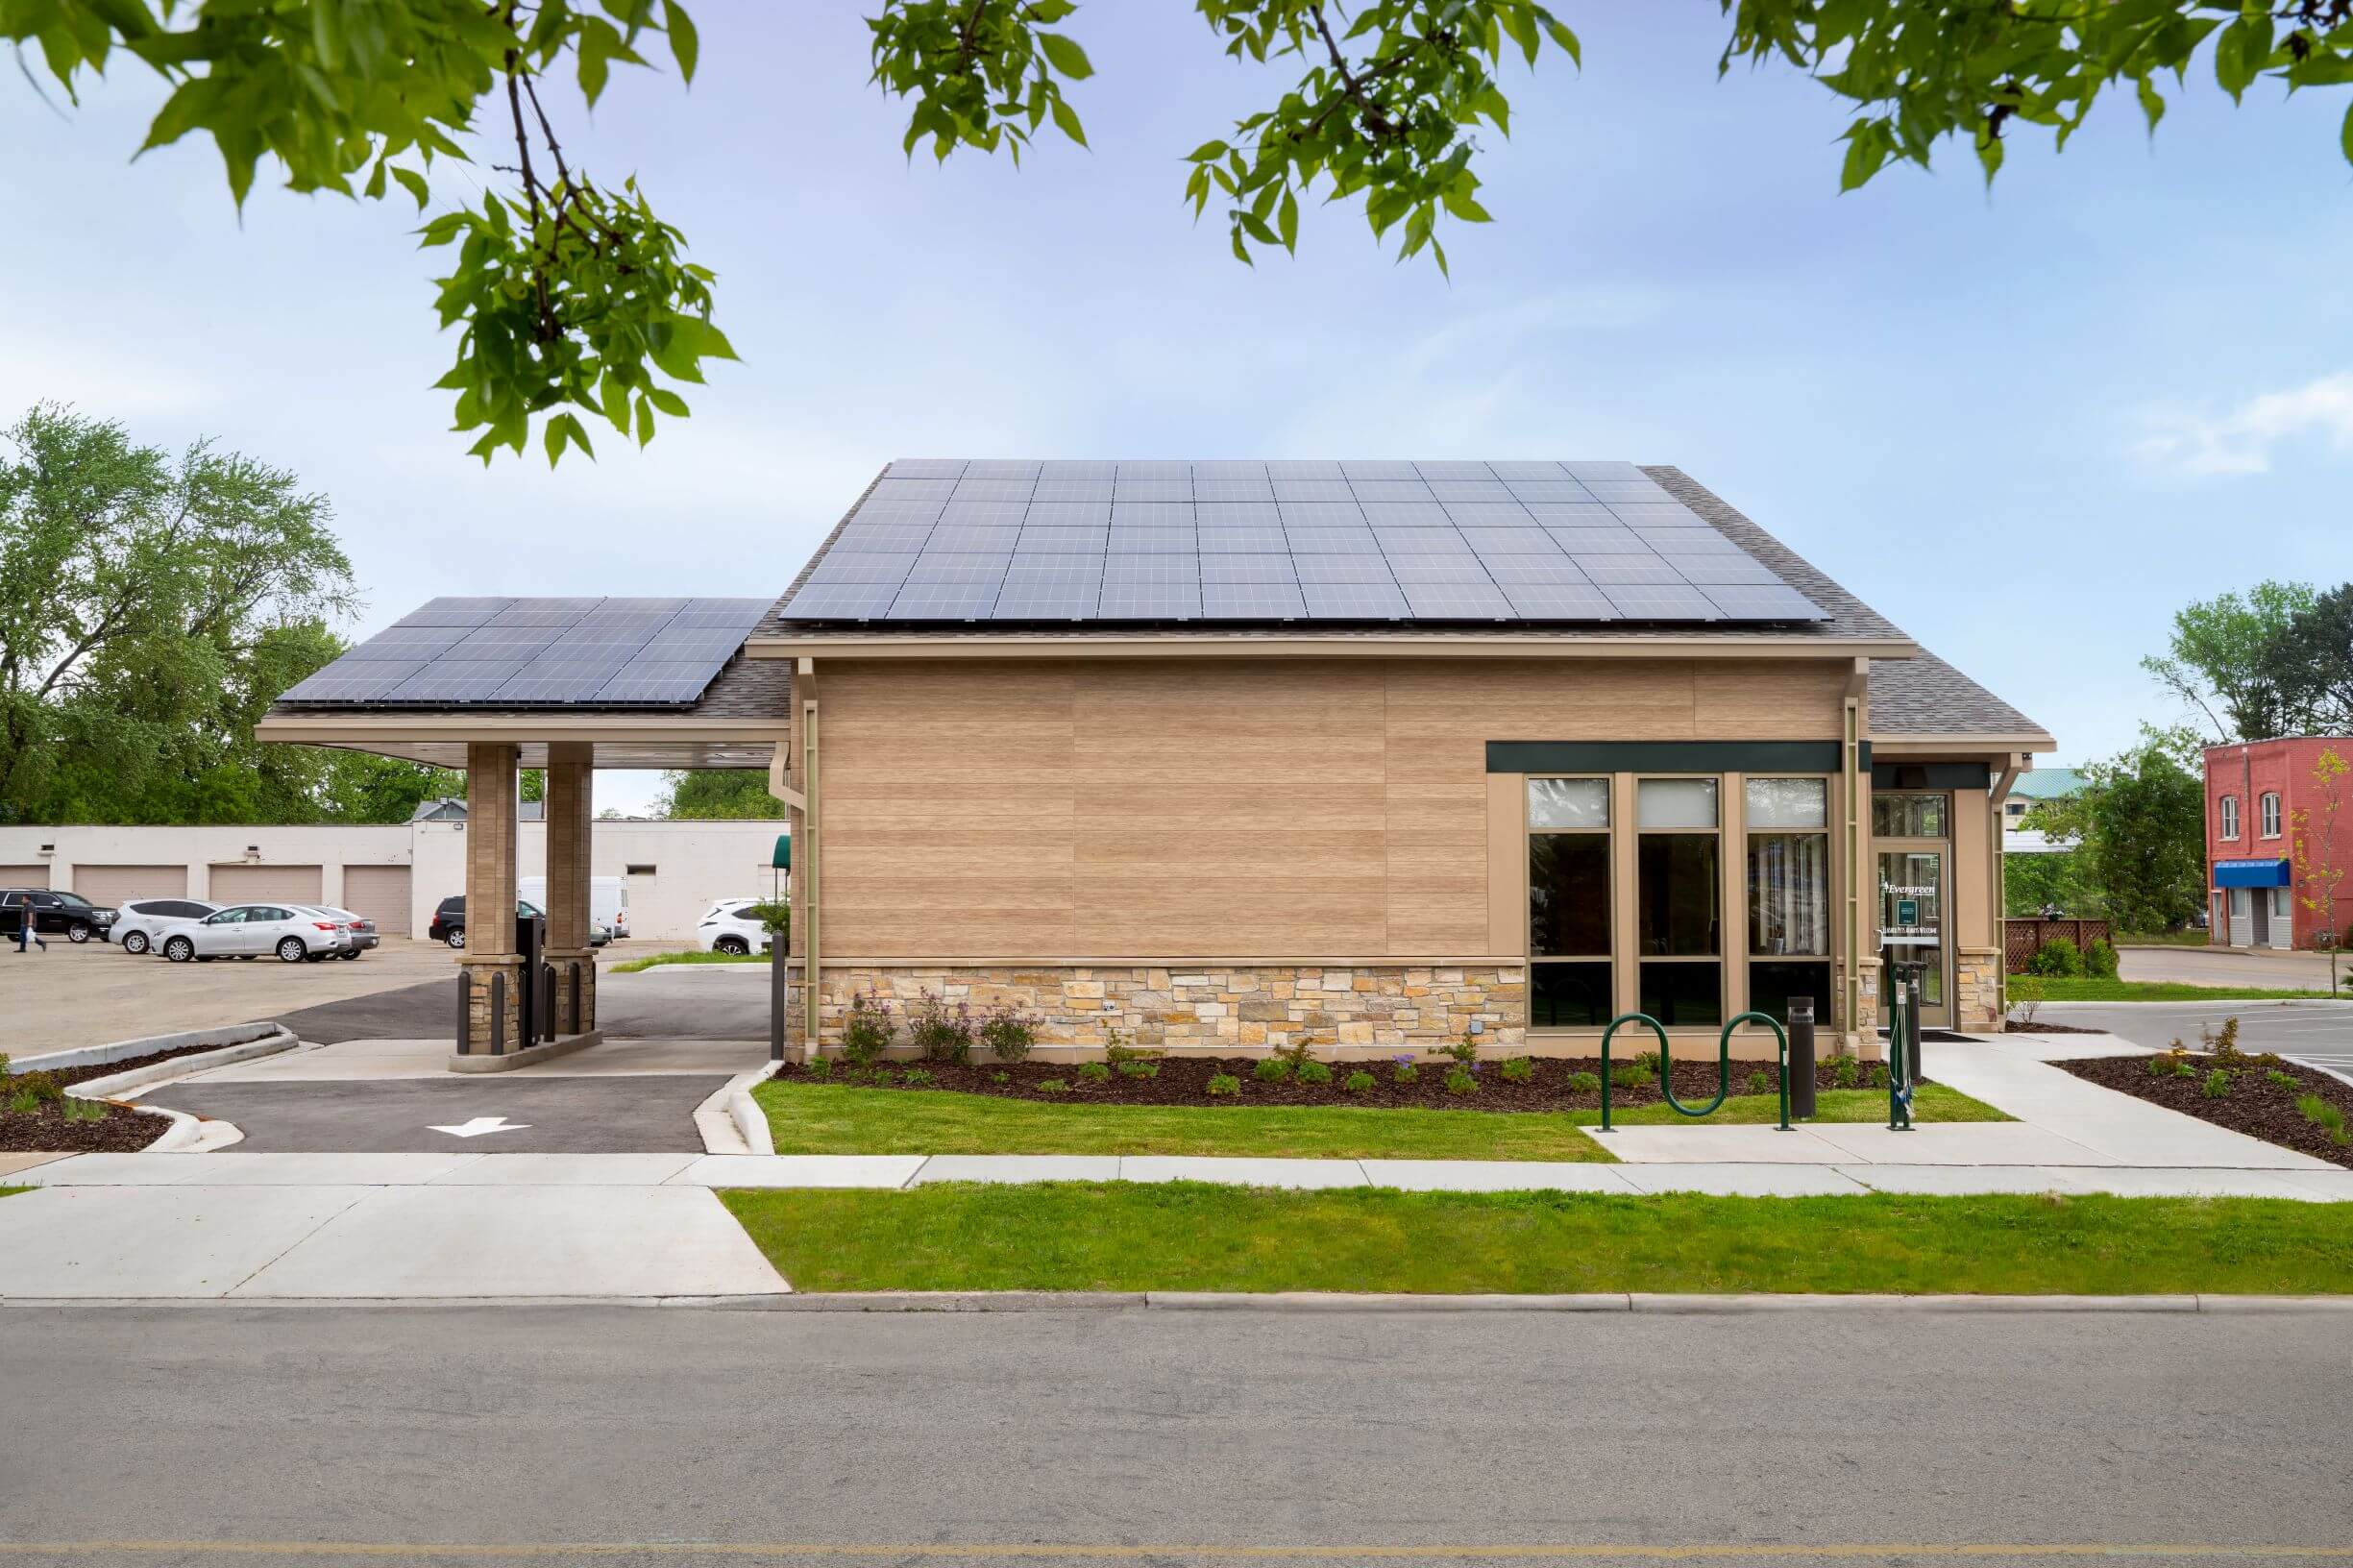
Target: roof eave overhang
1425,644
1921,745
633,739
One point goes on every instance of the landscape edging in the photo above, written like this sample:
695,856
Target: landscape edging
120,1050
276,1041
1308,1303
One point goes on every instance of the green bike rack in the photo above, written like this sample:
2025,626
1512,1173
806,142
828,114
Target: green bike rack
1723,1064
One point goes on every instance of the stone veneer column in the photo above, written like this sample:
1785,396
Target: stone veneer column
571,813
490,893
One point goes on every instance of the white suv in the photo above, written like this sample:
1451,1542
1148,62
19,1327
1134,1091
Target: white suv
728,928
144,923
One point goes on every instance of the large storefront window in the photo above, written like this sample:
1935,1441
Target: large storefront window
1568,903
1679,900
1787,820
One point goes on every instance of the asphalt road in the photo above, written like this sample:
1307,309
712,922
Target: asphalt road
649,1114
965,1437
2318,1032
676,1001
2276,970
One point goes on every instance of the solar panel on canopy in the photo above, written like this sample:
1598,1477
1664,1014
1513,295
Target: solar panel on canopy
568,652
1377,540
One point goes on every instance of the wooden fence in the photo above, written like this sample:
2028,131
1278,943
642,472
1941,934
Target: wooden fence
2022,936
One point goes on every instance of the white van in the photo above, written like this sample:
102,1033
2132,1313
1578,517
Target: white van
608,901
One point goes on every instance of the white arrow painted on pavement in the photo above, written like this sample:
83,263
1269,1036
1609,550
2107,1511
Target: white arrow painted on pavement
480,1125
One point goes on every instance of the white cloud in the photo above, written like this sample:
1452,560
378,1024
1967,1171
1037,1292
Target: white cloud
2240,439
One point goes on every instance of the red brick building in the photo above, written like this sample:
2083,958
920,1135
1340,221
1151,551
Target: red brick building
2254,794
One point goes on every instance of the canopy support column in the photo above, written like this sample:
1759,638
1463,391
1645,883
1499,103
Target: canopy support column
571,786
490,900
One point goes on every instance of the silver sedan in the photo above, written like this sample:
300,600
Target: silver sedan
292,931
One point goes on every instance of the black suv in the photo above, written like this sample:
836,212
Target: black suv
449,923
69,913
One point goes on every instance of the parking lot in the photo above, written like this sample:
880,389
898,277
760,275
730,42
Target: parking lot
90,995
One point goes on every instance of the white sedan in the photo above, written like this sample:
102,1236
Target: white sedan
292,931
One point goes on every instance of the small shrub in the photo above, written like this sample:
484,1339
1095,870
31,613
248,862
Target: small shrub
913,1076
1140,1069
1314,1072
865,1032
940,1031
1760,1082
4,1064
24,1102
819,1067
1007,1032
1406,1074
1633,1077
2224,1046
1458,1081
42,1087
1094,1072
2099,959
2217,1084
1000,1076
1465,1050
2057,959
1879,1075
1224,1085
2159,1067
1648,1062
1053,1086
1119,1053
1272,1069
1518,1070
85,1110
1585,1082
1357,1081
1846,1072
880,1078
1298,1053
2285,1080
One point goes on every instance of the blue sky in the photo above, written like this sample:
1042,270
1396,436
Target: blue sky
2027,425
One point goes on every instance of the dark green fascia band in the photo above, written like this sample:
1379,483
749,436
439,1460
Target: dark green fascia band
1666,756
1931,775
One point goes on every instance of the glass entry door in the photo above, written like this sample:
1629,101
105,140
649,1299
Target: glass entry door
1912,929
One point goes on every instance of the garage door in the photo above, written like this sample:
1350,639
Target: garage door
252,884
107,885
381,892
24,876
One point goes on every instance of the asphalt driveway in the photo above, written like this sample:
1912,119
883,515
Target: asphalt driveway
649,1114
672,1001
2317,1032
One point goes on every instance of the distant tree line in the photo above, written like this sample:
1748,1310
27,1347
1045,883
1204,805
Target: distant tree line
152,607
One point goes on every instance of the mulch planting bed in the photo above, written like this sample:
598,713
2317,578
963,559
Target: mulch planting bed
47,1131
2253,1105
1184,1081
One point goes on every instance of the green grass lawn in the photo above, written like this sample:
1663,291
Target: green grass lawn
12,1191
833,1119
2028,987
692,957
1190,1237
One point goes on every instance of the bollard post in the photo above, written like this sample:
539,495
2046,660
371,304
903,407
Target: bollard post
465,1011
547,1002
1911,1060
1801,1076
779,1003
497,1012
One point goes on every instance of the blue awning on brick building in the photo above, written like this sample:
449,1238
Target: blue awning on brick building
2250,873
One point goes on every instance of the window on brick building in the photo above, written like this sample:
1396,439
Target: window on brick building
2268,809
2230,817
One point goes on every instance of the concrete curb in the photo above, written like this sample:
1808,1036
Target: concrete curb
1300,1303
86,1056
156,1072
750,1119
525,1056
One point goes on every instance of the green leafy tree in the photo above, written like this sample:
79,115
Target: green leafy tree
575,302
2224,661
2311,666
152,607
718,793
2140,826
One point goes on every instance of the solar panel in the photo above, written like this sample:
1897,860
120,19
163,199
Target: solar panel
1252,601
1156,539
1152,490
1353,601
560,653
1247,569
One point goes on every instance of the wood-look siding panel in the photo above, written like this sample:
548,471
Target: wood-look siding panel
1788,701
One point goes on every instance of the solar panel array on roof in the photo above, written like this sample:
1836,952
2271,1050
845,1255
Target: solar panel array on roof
946,540
539,653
